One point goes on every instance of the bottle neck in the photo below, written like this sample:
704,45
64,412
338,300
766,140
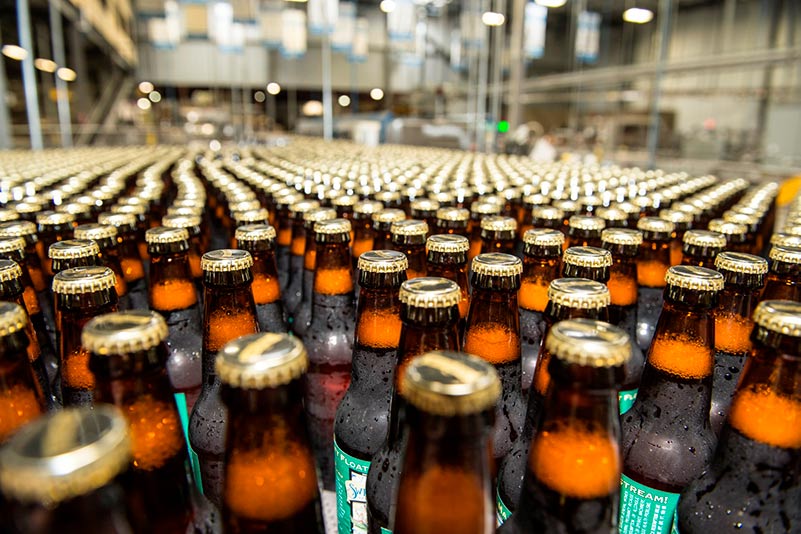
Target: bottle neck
622,282
598,274
653,263
298,245
423,330
171,286
538,273
333,273
493,326
229,312
378,324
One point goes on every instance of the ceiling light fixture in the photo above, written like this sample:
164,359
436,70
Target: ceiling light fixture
491,18
387,6
15,52
68,75
550,3
638,15
45,65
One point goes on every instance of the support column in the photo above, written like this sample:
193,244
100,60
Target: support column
665,16
28,75
5,119
514,114
328,107
62,92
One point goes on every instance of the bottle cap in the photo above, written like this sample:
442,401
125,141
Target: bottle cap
567,206
259,361
95,232
704,238
65,454
225,260
694,278
587,223
781,316
587,257
367,207
497,264
739,262
27,208
409,227
387,197
547,213
255,232
17,229
332,226
729,229
258,216
681,219
430,292
245,205
344,201
124,332
13,318
297,209
319,214
498,223
655,228
73,248
628,208
9,270
121,221
191,211
12,244
383,261
54,218
132,209
450,384
485,208
448,243
790,255
79,280
622,236
579,293
388,216
781,239
611,214
543,237
535,200
163,235
453,214
181,221
8,215
589,343
75,208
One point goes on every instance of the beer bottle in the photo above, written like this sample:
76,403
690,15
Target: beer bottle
530,202
329,339
382,227
229,312
498,234
624,244
133,270
667,439
192,225
493,333
409,237
784,278
363,234
344,205
73,253
242,218
81,212
652,265
453,221
294,291
8,214
446,479
283,240
751,485
425,209
81,293
578,428
259,240
21,401
106,238
752,224
682,221
65,472
548,217
270,477
568,298
592,263
360,427
27,231
744,276
52,227
389,199
142,224
302,314
128,359
781,239
542,264
479,210
584,231
700,247
447,258
613,217
429,317
569,208
737,237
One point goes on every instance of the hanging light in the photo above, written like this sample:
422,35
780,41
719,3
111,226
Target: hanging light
145,87
45,65
387,6
344,101
550,3
154,97
638,15
273,88
491,18
143,104
376,93
66,74
15,52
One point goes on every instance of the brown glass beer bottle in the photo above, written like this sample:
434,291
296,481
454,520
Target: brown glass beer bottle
133,270
106,238
447,258
409,237
784,277
259,240
652,264
700,247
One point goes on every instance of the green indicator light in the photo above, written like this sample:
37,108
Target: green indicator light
503,126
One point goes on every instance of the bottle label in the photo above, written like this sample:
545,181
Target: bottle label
645,510
351,483
183,413
385,531
502,513
626,399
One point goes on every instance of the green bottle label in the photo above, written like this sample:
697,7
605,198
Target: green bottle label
385,531
183,413
502,513
675,528
645,510
626,399
351,483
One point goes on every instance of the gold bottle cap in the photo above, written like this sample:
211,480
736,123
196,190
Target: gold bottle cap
367,207
739,262
780,239
611,214
547,213
383,261
192,211
8,215
740,218
543,237
424,205
498,223
255,232
12,244
53,218
579,293
17,229
430,292
74,208
124,332
73,248
95,232
628,208
448,243
289,197
785,254
388,216
133,209
344,201
27,207
655,225
9,270
567,206
586,222
677,217
497,264
588,343
257,216
299,208
181,221
587,257
704,238
319,214
622,236
225,260
259,361
781,316
332,226
453,214
65,454
79,280
536,199
125,221
245,205
163,235
694,278
451,384
485,208
727,228
13,317
409,227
